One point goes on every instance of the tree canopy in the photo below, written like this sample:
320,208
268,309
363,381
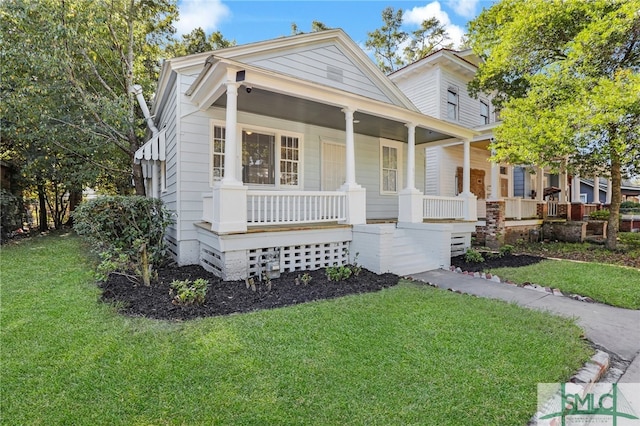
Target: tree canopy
566,75
394,48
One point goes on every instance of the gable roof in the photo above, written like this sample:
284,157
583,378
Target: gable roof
327,57
464,62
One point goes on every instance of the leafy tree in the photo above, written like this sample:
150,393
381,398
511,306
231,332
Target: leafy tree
197,42
82,58
316,26
430,36
566,74
386,41
394,48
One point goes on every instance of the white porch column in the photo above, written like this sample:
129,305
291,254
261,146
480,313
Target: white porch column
230,195
575,189
495,180
470,202
563,187
356,194
510,181
609,191
231,136
410,198
540,184
466,168
350,149
596,189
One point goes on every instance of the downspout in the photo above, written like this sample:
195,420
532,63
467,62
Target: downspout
136,89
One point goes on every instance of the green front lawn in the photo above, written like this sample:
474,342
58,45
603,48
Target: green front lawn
411,354
610,284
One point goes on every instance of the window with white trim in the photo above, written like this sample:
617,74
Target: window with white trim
452,103
484,112
390,167
289,160
217,153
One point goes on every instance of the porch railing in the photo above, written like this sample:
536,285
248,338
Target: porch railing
552,208
520,208
295,207
438,207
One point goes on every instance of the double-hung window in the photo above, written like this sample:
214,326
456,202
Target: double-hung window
452,103
484,112
217,153
390,167
268,157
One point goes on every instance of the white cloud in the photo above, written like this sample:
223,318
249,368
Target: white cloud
465,8
206,14
433,10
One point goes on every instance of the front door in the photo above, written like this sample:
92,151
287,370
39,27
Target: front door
333,166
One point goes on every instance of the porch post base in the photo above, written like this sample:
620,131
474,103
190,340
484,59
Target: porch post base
356,204
229,209
410,206
470,206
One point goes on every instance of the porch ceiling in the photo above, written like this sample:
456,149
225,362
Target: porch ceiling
282,106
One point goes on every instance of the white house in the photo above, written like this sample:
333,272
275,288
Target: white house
298,153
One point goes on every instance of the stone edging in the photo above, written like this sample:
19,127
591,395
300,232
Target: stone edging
529,286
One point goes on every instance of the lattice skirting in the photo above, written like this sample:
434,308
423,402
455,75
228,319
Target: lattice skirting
211,260
290,258
172,246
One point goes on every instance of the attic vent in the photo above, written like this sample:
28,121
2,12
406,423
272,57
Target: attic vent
334,73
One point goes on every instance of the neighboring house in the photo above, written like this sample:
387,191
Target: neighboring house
437,85
298,153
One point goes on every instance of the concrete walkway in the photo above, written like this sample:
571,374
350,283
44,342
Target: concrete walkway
615,329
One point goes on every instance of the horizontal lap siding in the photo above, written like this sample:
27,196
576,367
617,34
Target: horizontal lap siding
312,64
469,108
422,89
445,162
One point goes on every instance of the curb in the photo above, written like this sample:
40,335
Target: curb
527,285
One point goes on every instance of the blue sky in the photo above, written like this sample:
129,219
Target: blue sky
254,20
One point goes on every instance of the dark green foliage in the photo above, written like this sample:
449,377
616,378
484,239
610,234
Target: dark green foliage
338,273
130,227
10,213
599,215
473,256
629,207
630,239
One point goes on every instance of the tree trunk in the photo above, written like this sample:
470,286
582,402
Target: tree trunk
42,214
138,179
75,198
616,199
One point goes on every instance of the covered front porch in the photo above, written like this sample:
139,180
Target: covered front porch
261,225
235,206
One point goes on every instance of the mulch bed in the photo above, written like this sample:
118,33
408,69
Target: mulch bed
227,297
492,260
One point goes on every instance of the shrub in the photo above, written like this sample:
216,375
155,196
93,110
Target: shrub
506,250
473,256
187,293
631,239
629,207
10,213
599,215
338,273
129,226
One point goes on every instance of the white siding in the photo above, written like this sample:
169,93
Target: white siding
445,162
422,90
325,64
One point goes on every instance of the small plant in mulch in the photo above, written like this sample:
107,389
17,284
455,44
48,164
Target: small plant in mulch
304,279
187,292
473,256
